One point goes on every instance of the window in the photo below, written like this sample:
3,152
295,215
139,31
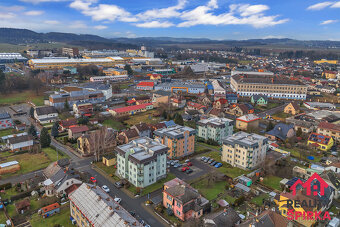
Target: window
178,213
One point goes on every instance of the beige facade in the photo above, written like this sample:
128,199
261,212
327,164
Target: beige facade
271,86
245,151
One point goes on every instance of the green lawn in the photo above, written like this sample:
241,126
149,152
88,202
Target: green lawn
281,115
258,200
53,154
11,210
211,191
109,170
63,219
6,132
8,193
210,146
226,168
22,97
230,199
32,162
158,185
272,182
145,117
3,218
5,154
114,124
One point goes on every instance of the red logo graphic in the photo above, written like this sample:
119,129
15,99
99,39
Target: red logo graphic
309,187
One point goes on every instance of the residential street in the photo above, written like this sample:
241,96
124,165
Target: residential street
272,111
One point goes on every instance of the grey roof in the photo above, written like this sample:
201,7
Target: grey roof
43,110
245,139
280,131
163,93
242,187
174,132
188,85
19,139
227,217
257,97
4,115
215,122
100,209
96,86
142,149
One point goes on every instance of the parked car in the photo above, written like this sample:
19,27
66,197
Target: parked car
189,164
186,161
176,165
188,171
203,158
210,161
218,165
185,168
106,188
118,184
207,160
93,179
118,200
172,163
213,163
132,213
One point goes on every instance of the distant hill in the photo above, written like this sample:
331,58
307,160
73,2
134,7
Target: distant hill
25,36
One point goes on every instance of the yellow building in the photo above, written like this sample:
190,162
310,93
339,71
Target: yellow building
117,60
330,74
333,62
109,160
282,204
320,141
114,72
60,63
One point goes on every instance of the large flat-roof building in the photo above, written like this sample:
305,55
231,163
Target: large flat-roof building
268,85
90,206
190,88
215,128
142,161
11,58
60,63
244,150
179,139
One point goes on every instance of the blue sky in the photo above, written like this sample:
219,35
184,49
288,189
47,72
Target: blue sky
215,19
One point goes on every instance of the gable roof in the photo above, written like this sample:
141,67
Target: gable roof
257,97
280,130
44,110
329,126
68,122
142,127
318,138
50,207
131,133
131,108
19,139
226,217
77,129
146,84
267,218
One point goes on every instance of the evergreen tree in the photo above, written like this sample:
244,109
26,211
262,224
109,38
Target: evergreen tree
67,105
128,69
2,78
55,129
83,120
164,114
179,119
32,112
45,138
32,131
299,132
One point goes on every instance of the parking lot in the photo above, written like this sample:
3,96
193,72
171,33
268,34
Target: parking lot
15,109
199,168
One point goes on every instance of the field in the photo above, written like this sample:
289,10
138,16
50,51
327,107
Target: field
272,182
145,117
210,192
258,200
32,162
15,98
114,124
63,219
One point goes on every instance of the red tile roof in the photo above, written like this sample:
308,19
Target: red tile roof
50,207
77,129
146,84
329,126
195,105
68,122
131,108
319,139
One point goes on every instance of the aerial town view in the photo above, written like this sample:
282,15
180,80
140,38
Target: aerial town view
202,113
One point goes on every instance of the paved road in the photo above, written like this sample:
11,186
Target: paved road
272,111
130,204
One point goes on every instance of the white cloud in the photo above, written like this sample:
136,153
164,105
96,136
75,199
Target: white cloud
12,8
40,1
169,12
320,6
328,22
4,15
273,37
336,5
100,27
155,24
103,11
34,13
130,34
248,15
242,14
77,25
51,22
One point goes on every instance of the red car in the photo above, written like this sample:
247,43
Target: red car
184,168
93,180
189,164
